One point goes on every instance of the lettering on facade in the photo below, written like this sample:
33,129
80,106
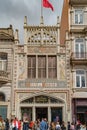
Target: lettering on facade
42,84
51,84
36,84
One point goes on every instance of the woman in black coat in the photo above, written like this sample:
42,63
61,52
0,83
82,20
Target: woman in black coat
6,124
25,125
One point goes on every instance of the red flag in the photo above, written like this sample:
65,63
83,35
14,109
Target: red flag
47,4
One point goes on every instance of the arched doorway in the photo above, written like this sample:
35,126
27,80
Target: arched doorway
42,106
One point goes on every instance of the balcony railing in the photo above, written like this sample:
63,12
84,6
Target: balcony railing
3,77
78,58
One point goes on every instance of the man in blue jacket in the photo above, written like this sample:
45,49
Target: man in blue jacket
43,125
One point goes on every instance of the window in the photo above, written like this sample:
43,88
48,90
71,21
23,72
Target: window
42,66
3,61
79,16
52,71
79,48
31,66
80,78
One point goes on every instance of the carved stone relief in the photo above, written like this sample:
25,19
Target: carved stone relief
21,66
62,68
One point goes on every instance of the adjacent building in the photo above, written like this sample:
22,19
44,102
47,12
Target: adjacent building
76,57
6,70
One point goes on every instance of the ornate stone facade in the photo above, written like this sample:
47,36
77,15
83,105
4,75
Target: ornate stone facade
40,41
39,73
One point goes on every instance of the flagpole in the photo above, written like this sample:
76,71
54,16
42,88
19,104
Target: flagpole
41,12
41,8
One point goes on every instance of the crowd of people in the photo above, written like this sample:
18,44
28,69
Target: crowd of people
15,124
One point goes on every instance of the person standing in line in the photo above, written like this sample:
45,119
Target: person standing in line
68,125
63,127
43,125
78,125
58,127
83,126
6,124
72,127
15,124
25,124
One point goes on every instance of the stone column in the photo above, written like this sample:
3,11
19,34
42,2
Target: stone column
33,113
36,66
47,66
49,114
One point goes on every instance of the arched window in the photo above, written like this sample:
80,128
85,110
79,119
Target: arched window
2,97
42,99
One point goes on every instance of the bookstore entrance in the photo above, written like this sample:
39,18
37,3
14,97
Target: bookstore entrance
41,106
41,113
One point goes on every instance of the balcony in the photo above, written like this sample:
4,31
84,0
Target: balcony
78,2
78,58
76,28
3,77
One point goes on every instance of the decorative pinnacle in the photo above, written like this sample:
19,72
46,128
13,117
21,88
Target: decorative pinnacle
25,20
41,21
57,20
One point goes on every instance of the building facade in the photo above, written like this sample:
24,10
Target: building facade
33,75
6,70
39,77
75,35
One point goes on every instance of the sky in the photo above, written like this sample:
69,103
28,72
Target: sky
13,12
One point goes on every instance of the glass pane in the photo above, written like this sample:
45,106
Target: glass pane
30,100
0,65
41,73
31,66
29,62
79,40
79,72
33,72
77,81
76,18
33,63
42,67
50,73
81,18
83,81
52,61
56,114
41,62
26,113
82,54
3,111
82,48
77,50
52,67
